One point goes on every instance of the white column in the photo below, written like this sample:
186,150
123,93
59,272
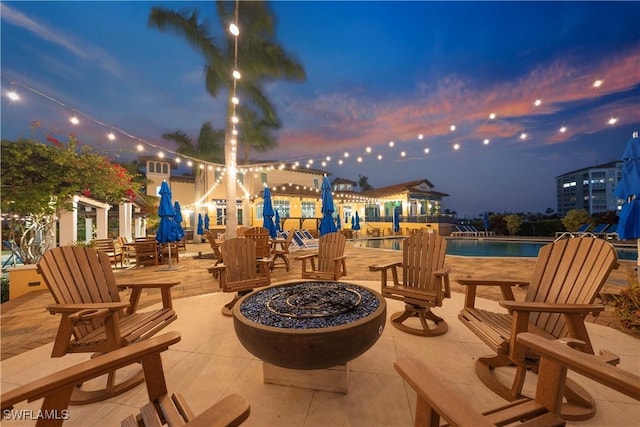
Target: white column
68,221
125,212
102,220
88,225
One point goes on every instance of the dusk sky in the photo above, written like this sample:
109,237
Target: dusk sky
376,72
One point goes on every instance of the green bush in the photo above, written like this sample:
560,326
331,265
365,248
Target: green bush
627,305
4,282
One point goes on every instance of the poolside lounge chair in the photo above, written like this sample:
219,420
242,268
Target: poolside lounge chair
436,399
304,239
93,317
56,389
566,280
424,283
612,233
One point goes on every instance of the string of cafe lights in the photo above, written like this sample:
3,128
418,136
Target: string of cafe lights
296,163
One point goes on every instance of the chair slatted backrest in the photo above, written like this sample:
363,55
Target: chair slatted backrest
330,246
260,236
146,252
423,254
569,271
76,274
239,258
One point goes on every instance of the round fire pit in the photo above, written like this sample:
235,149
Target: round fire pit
309,325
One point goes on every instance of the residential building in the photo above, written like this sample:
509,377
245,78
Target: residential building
589,189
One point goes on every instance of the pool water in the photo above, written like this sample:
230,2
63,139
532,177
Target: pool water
484,248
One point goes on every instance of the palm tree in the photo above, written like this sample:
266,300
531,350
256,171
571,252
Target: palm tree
363,182
259,59
209,147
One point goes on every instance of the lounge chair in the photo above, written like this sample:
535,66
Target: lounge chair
304,239
612,233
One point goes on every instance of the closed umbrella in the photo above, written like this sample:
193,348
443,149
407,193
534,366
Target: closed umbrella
178,218
326,223
200,227
396,219
206,221
277,220
168,229
267,213
628,189
356,222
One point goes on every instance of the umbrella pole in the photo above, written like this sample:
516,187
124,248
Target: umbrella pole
169,245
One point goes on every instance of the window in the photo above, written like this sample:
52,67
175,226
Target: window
282,206
263,177
315,183
309,209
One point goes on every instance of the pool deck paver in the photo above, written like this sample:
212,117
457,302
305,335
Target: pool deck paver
26,324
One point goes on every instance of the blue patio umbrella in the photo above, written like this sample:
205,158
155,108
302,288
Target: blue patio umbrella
200,227
268,213
277,221
326,223
356,222
168,229
396,219
628,189
206,221
178,218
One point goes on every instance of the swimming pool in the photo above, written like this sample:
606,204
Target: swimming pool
484,247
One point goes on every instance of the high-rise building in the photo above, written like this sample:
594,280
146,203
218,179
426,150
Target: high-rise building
589,189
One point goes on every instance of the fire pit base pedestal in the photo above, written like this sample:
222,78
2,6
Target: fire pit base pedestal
334,379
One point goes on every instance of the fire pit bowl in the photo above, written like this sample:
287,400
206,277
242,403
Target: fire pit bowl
309,325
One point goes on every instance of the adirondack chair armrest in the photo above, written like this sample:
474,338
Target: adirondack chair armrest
544,307
589,365
379,267
231,410
136,292
74,308
305,256
58,386
339,258
505,288
159,285
468,281
442,272
435,398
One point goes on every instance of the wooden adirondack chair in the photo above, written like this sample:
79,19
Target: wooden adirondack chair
281,249
238,272
162,409
215,246
146,252
260,236
109,247
436,399
425,283
566,280
331,261
94,319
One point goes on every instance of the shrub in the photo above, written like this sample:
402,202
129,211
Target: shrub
4,291
627,305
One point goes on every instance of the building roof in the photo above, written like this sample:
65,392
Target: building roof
420,187
610,165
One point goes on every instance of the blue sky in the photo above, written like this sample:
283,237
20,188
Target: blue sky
376,72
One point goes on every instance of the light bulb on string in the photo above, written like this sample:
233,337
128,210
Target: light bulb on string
236,74
235,100
485,142
111,136
13,95
74,120
233,29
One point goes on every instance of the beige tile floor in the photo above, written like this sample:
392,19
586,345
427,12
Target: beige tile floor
210,362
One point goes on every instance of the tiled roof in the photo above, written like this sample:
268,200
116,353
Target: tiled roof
410,186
